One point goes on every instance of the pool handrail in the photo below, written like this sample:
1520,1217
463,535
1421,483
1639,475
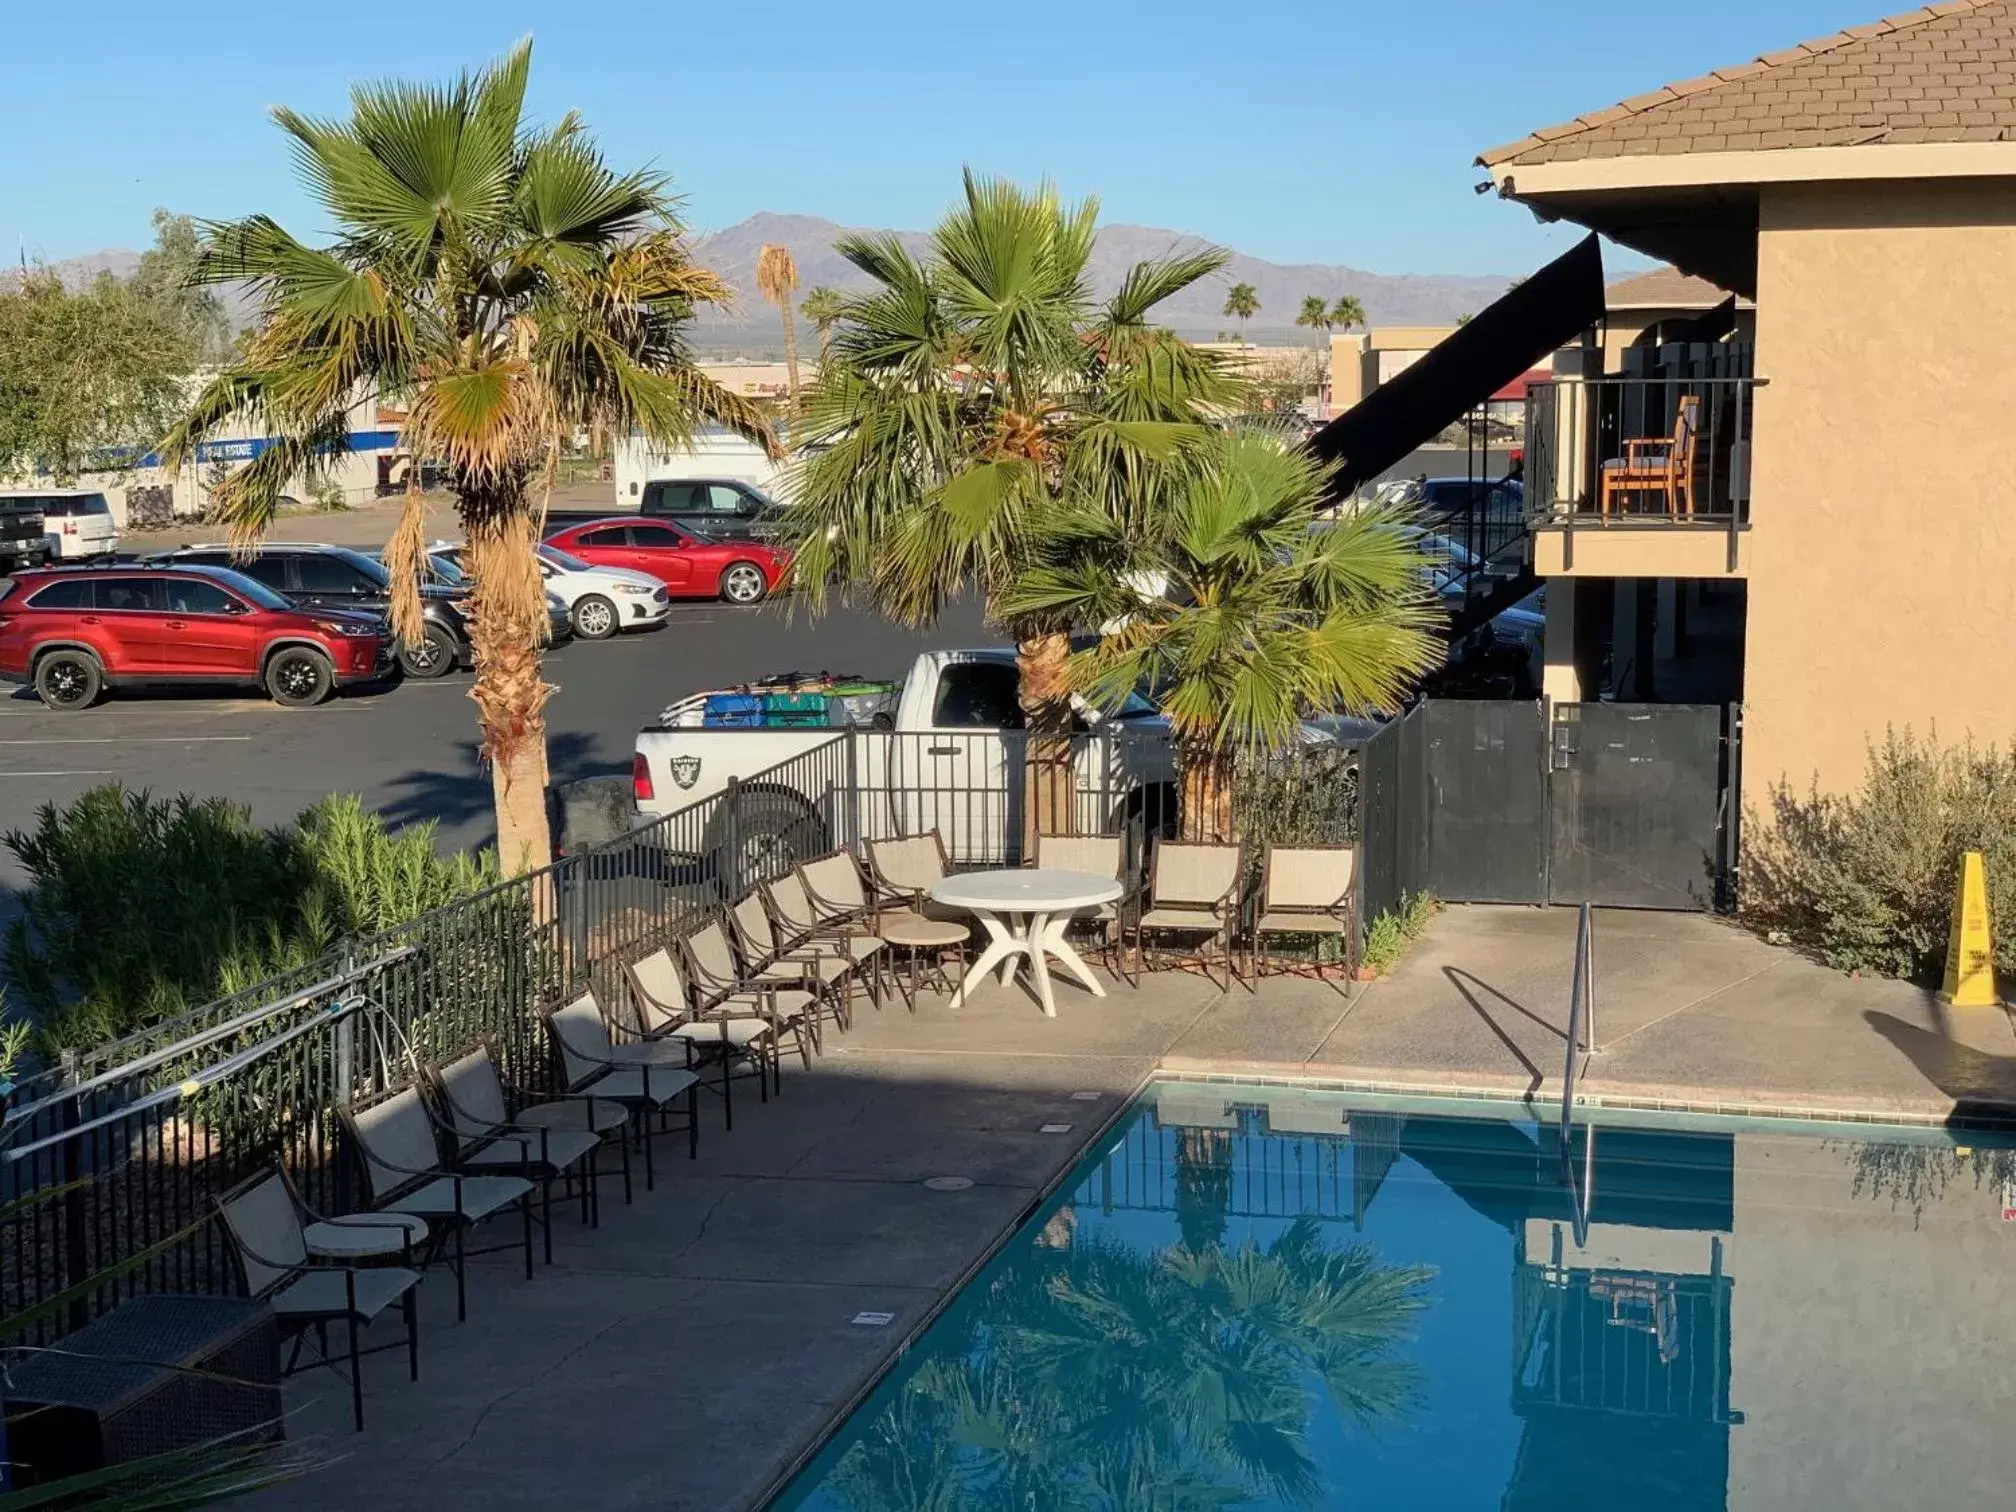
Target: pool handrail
1581,1015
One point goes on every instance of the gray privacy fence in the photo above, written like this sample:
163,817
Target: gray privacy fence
111,1162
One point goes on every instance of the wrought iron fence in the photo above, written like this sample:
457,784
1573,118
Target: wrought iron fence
111,1161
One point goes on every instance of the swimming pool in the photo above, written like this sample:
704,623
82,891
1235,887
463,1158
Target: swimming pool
1263,1297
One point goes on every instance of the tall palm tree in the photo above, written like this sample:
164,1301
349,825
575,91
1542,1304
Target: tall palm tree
1242,301
1315,313
1347,312
823,306
777,281
514,290
1269,613
969,398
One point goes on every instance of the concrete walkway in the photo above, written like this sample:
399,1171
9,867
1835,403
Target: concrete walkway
697,1345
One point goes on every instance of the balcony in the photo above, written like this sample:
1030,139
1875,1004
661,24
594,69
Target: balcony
1643,476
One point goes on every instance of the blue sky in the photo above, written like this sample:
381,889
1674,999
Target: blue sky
1339,133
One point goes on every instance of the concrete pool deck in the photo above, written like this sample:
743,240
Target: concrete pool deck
691,1350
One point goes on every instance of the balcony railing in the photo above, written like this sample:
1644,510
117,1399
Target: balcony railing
1640,452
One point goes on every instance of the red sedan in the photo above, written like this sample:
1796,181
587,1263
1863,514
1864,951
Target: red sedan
689,565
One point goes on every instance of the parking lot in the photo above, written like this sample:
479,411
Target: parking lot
410,750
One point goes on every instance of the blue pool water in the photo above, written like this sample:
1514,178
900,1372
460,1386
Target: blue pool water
1257,1297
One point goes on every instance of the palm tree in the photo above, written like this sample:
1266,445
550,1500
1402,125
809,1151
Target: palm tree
1243,303
1269,613
777,281
1347,312
1315,313
514,290
972,397
824,306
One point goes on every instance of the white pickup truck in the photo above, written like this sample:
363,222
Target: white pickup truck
947,754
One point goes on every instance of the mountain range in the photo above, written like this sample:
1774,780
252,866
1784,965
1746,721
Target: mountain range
751,327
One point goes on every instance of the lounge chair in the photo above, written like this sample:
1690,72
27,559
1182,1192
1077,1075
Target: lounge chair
1098,856
394,1138
1311,890
1194,889
792,995
590,1066
487,1137
666,1018
902,872
277,1266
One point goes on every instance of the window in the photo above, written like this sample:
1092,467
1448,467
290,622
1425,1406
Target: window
330,575
978,696
608,535
72,593
194,596
661,537
128,594
669,498
721,499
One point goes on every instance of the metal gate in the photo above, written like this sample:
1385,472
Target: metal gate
1638,810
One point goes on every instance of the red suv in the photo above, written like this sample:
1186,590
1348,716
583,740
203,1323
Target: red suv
72,634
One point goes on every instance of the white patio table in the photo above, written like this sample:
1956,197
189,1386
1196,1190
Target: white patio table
1024,912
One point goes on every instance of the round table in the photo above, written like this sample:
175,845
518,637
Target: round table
357,1236
1024,912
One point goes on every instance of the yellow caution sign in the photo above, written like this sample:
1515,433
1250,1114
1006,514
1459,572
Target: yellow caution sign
1970,955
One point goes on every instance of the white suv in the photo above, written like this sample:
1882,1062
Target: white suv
77,523
600,600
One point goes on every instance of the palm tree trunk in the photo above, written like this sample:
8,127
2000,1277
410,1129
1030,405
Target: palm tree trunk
507,628
1205,795
1045,696
790,347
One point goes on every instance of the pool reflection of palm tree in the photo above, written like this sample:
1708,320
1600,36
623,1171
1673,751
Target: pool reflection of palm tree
1110,1377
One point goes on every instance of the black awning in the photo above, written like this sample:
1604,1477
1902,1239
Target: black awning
1505,339
1709,325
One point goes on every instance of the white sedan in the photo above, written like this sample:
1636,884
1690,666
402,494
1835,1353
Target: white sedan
600,600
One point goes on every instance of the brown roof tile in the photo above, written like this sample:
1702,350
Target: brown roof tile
1664,288
1942,73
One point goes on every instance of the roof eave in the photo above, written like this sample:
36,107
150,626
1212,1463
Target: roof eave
1783,165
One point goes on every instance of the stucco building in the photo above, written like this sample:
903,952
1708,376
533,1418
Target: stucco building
1846,475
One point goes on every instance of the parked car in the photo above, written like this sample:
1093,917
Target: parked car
722,509
338,577
75,632
600,601
76,522
688,564
23,541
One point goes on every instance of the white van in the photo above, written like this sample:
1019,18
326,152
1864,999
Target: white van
716,454
76,522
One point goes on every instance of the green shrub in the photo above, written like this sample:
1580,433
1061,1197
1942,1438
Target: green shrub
140,909
1866,881
1391,932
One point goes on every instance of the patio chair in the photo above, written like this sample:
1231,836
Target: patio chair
799,927
485,1136
1308,890
1662,465
1099,856
590,1066
902,872
838,896
768,954
790,995
665,1018
400,1157
269,1242
1194,889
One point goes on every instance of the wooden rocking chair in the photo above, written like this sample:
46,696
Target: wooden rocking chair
1658,464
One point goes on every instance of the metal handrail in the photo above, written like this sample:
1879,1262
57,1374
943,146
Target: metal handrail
1581,1014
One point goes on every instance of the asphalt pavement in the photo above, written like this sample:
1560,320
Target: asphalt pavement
410,750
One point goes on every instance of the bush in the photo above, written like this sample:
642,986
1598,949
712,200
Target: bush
1390,933
1866,881
140,908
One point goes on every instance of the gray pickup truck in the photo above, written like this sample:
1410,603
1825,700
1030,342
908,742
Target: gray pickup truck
23,537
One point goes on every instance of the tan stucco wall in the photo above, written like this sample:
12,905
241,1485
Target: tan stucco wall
1883,534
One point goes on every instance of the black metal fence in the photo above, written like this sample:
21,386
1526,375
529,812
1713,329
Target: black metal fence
111,1161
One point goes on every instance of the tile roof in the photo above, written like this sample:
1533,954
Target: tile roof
1664,288
1944,73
